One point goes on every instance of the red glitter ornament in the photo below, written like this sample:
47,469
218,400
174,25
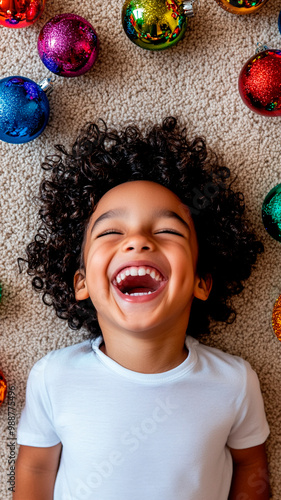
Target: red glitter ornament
276,318
260,83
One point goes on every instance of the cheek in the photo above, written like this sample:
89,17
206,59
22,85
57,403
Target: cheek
97,277
97,260
184,267
98,290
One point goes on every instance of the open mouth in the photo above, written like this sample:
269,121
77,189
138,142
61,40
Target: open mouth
138,281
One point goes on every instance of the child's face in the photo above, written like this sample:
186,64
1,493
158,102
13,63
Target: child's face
140,258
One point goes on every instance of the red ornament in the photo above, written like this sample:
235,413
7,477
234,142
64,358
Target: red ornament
260,83
20,13
3,388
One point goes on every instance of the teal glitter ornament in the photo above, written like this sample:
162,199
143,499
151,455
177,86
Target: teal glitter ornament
156,24
271,212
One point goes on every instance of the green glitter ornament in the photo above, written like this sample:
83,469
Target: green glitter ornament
156,24
271,212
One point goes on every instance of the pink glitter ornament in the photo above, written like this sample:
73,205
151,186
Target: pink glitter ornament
68,45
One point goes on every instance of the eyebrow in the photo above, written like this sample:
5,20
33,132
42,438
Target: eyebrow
163,213
170,214
108,215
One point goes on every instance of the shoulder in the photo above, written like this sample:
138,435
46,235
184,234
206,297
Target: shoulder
61,358
221,363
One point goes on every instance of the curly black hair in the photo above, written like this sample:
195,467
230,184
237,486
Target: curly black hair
102,158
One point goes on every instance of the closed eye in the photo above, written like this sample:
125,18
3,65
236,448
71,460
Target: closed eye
109,231
170,231
163,231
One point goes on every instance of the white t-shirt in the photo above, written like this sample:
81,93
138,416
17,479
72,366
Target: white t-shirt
135,436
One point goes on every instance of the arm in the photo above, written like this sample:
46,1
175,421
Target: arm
250,474
36,470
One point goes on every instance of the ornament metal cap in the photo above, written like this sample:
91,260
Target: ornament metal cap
261,46
47,85
190,7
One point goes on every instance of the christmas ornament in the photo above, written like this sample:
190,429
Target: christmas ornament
68,45
156,24
260,82
271,212
241,6
20,13
24,108
276,318
3,388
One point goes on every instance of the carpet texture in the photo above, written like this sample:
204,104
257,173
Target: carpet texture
195,81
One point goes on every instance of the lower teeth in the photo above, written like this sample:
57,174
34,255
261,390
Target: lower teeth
137,294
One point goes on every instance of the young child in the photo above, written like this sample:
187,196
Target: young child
142,240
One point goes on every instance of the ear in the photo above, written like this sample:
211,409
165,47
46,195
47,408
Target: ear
203,287
80,285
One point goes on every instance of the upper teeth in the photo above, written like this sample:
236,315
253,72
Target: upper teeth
137,271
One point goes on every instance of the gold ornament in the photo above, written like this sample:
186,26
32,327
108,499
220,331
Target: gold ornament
156,24
3,387
241,6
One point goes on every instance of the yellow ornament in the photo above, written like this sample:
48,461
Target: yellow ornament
276,318
241,6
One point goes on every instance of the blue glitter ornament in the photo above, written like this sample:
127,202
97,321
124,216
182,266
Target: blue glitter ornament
279,21
271,212
24,109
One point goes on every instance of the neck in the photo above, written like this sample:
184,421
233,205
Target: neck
146,354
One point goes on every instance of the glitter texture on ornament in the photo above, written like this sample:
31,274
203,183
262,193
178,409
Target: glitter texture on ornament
271,212
68,45
24,109
260,83
276,318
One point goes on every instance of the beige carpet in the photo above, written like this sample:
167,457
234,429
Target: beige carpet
196,81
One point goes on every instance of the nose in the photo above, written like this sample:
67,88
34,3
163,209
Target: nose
139,243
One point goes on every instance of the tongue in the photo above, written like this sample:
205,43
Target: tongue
139,284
